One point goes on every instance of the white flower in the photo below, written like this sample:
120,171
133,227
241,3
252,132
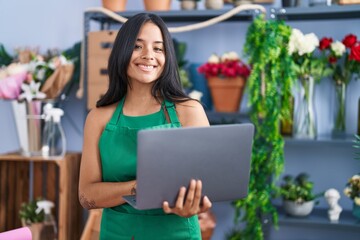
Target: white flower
195,95
347,191
16,68
229,56
213,59
308,44
338,48
302,44
355,177
295,39
357,201
31,91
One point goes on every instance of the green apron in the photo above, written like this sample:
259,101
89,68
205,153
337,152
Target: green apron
117,146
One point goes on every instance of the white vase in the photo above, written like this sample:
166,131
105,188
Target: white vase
298,209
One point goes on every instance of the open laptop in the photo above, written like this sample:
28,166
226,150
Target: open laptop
167,159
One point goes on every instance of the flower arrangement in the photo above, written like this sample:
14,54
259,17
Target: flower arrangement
302,49
31,76
352,189
344,61
228,65
343,57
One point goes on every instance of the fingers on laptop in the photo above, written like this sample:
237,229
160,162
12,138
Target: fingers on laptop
189,203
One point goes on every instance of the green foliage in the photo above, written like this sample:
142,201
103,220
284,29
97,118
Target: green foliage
73,53
180,50
28,212
357,146
5,58
298,189
269,86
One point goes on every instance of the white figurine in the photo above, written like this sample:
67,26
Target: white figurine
332,197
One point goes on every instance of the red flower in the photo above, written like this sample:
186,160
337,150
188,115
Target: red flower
349,40
332,59
355,52
228,68
325,43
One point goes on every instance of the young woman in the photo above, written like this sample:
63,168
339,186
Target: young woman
144,92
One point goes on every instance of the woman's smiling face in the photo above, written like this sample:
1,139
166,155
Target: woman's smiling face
148,57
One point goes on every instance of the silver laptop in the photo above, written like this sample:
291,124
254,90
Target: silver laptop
167,159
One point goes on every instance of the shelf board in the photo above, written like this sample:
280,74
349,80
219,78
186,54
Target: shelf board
177,15
227,118
318,13
289,14
324,138
318,218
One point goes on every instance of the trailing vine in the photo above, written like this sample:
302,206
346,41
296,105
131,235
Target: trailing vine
269,87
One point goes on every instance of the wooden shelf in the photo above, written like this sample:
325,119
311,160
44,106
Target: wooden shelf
53,179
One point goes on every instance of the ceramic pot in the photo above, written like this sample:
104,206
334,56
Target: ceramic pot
298,209
188,5
214,4
114,5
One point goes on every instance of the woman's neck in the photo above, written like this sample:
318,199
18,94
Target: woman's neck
140,102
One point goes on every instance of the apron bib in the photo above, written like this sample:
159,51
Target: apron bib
117,146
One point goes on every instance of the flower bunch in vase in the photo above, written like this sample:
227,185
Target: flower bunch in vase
226,76
309,69
344,60
32,76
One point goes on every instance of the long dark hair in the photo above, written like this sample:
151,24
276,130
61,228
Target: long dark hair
167,86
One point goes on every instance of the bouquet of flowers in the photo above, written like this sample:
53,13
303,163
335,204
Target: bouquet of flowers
228,65
302,49
352,189
343,57
32,76
344,61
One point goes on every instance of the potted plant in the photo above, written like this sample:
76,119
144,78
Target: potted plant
352,189
297,194
36,215
226,76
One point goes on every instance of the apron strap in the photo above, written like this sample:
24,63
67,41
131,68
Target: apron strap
116,116
169,109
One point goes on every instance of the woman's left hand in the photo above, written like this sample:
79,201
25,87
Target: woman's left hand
189,204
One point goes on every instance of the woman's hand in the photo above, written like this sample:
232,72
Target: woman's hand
192,205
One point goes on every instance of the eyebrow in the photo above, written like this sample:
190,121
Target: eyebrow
141,40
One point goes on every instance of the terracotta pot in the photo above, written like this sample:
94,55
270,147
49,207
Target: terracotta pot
114,5
157,5
226,93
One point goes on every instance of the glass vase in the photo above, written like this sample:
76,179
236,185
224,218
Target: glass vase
305,116
339,128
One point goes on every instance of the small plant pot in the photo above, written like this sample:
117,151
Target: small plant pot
298,209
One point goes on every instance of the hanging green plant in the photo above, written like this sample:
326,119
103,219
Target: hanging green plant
269,87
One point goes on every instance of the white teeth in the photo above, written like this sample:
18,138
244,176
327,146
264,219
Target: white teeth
145,66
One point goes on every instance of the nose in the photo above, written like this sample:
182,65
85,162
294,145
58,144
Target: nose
147,57
146,54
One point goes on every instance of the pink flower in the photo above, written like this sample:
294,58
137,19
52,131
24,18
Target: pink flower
10,87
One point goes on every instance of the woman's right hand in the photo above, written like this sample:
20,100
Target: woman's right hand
189,204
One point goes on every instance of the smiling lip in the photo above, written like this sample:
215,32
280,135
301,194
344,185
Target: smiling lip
146,68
